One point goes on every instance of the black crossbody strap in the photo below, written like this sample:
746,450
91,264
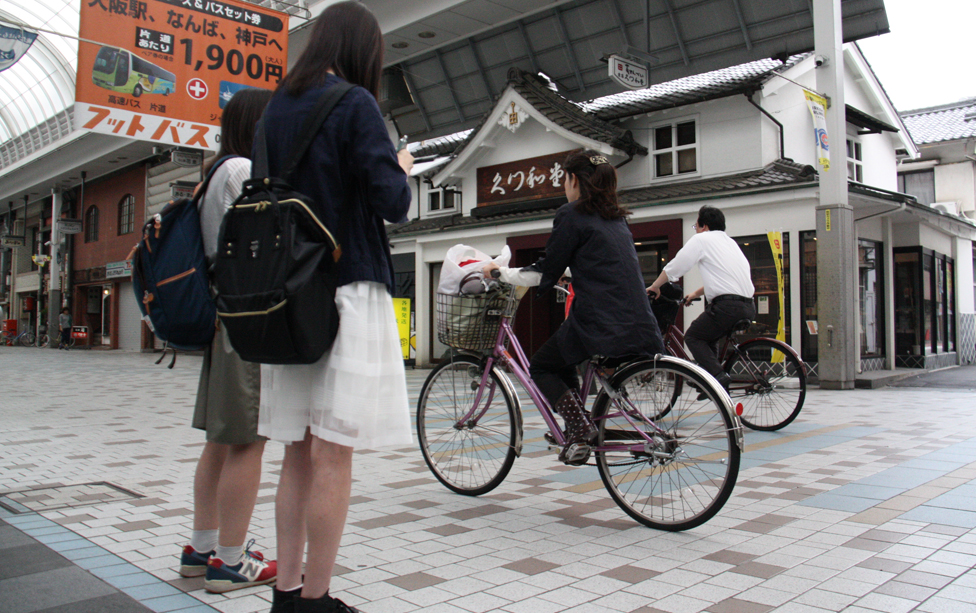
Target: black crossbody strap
310,129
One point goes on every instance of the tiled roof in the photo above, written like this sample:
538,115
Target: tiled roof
442,145
779,173
696,88
564,113
941,123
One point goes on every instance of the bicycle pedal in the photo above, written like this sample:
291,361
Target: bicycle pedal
576,454
550,438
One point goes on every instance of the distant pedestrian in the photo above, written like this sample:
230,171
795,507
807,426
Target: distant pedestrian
356,395
229,470
64,324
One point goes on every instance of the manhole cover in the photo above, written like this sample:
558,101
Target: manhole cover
63,497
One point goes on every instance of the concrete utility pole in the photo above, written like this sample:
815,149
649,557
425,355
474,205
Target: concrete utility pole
54,299
836,262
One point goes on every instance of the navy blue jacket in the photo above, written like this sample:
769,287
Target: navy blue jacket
610,315
350,171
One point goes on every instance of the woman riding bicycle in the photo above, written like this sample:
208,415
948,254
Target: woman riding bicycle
610,315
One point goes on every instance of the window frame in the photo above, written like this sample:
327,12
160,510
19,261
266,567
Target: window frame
440,194
91,224
854,144
674,149
127,214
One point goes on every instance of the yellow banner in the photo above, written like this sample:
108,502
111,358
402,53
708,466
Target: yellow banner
818,110
776,246
401,306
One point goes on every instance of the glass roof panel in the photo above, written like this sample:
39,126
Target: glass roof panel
42,83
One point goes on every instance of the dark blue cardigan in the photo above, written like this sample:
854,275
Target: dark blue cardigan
350,171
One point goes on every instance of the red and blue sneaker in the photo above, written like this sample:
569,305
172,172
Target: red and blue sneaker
250,571
194,563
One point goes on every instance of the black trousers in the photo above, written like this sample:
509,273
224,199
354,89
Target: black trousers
550,371
711,326
65,336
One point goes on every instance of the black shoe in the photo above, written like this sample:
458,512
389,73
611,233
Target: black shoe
723,379
284,601
325,604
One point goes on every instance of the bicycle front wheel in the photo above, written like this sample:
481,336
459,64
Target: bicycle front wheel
770,383
473,456
27,339
683,476
44,340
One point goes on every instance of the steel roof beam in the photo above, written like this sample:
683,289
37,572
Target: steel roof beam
481,68
677,32
568,43
528,47
618,16
450,85
416,97
742,24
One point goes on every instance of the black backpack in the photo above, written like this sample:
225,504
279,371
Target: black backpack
169,275
277,264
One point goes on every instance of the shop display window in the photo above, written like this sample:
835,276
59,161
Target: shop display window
769,259
924,299
808,297
870,298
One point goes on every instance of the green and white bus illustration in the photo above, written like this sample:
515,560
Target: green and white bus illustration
120,71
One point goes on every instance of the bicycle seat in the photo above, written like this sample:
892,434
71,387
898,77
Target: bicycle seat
741,326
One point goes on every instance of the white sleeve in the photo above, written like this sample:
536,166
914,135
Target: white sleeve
520,276
682,261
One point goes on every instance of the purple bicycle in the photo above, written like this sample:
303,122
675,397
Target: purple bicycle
668,459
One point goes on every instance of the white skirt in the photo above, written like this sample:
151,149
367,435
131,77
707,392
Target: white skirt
356,395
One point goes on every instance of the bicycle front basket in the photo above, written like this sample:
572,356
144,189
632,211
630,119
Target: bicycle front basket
471,322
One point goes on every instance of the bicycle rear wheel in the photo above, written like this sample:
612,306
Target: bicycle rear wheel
770,383
469,458
27,339
44,340
685,476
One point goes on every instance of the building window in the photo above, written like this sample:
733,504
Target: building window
855,165
769,260
871,298
443,199
923,303
918,184
91,224
675,149
127,210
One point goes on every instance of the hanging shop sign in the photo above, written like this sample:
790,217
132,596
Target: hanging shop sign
69,226
12,241
162,70
115,270
14,43
186,159
628,73
182,189
530,179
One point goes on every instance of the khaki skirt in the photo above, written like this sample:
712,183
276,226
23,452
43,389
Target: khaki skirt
228,396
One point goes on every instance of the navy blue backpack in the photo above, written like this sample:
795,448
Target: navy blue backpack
169,276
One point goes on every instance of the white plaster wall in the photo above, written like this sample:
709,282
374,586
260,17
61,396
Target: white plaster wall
785,101
870,229
962,253
905,235
956,183
934,239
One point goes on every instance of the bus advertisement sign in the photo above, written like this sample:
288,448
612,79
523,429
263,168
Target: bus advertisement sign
162,70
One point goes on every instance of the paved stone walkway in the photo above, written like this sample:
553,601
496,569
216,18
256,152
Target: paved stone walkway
865,503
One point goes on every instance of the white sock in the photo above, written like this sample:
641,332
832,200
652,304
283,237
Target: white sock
203,541
230,555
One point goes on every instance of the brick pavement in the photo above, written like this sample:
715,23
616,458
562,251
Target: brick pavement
863,504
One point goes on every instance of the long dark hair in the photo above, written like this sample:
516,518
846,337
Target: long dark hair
346,38
237,123
597,183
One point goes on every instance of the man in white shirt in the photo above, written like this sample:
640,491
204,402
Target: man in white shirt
727,287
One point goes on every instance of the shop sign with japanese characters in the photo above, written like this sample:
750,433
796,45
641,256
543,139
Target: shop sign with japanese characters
163,70
531,179
628,73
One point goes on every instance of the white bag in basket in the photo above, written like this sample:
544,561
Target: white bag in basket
452,273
